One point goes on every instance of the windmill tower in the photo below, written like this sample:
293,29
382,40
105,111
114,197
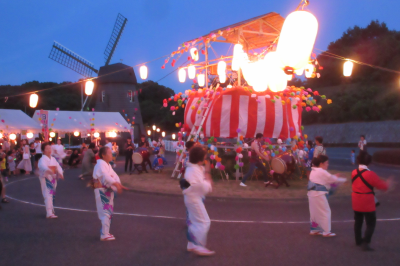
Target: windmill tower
116,85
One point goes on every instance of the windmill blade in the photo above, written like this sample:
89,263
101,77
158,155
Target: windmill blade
115,36
67,58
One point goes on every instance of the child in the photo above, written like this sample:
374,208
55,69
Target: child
3,166
319,148
11,162
352,157
159,161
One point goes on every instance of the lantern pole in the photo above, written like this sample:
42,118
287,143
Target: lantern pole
206,66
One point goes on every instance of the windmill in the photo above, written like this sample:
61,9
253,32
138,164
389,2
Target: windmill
115,86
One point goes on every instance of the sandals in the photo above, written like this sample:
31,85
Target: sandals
4,200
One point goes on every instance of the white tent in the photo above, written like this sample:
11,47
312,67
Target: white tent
16,121
84,122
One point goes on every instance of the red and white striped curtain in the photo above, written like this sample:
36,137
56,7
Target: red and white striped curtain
235,109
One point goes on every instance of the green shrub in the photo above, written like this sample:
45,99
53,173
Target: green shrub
387,157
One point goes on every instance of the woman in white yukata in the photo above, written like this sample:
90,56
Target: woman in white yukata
199,183
58,152
105,183
49,171
320,184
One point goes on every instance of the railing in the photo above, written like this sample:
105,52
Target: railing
170,145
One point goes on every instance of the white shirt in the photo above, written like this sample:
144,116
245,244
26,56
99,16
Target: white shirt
199,186
362,143
44,164
58,150
105,174
38,147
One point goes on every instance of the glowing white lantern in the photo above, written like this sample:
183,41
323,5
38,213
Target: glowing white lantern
154,127
192,72
229,86
173,136
182,75
221,68
96,135
347,68
299,72
89,87
163,134
194,53
201,79
76,133
144,71
113,134
52,134
149,132
29,135
237,56
88,135
158,129
222,79
309,70
33,100
279,81
255,75
50,139
299,25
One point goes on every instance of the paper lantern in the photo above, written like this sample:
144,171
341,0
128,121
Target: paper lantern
50,139
52,134
194,53
201,79
158,130
88,135
154,127
238,55
149,132
89,87
112,134
299,25
221,68
76,133
173,136
192,72
275,76
222,79
347,68
33,100
255,74
163,134
299,72
309,70
182,75
29,135
96,134
144,71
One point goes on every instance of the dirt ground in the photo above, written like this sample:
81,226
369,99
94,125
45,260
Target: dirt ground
164,184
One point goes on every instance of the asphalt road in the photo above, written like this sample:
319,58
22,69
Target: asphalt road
150,230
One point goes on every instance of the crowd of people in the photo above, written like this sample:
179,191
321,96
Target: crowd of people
98,164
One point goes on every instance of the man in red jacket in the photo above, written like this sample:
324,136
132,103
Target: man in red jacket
363,199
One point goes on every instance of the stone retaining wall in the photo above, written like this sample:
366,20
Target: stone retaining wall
346,133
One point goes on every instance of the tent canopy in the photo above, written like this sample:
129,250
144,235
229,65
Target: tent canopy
71,121
15,121
253,33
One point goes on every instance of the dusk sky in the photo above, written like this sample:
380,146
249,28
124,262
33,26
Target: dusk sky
155,28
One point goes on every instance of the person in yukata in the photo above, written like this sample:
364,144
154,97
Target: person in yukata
319,185
159,161
105,183
49,171
199,183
